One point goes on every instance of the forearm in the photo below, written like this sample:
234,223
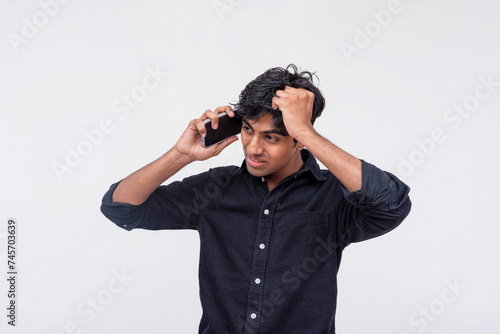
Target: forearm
136,188
343,165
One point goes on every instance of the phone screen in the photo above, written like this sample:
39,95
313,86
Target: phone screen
228,127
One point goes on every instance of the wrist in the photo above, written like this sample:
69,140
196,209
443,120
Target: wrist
306,136
180,158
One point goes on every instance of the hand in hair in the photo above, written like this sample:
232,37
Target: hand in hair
296,106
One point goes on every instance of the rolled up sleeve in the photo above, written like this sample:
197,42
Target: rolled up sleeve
126,216
379,206
173,206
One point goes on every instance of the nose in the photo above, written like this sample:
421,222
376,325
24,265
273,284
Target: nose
254,147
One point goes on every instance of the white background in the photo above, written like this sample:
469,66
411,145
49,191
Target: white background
393,93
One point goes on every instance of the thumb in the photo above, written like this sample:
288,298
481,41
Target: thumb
222,145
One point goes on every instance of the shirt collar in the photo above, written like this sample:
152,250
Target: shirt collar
310,165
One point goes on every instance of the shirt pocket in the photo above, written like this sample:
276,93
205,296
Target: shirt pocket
298,239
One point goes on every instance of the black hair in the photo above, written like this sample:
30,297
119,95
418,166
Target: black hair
256,98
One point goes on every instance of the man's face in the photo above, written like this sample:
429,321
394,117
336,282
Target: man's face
268,153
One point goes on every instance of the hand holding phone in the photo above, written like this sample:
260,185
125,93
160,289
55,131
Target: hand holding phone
227,127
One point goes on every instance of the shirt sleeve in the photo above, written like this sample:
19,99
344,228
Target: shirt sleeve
379,206
173,206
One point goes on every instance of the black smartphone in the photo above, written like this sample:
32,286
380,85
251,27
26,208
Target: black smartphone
228,127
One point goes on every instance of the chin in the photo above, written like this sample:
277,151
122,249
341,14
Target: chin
257,173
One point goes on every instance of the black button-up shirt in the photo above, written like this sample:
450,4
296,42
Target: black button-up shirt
269,259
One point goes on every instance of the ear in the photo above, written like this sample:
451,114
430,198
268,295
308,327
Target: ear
299,146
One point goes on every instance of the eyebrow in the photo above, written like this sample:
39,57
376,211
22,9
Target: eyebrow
273,131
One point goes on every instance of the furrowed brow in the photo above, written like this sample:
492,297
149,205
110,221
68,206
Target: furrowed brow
272,131
246,123
277,132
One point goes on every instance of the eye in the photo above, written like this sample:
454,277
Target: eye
246,128
272,138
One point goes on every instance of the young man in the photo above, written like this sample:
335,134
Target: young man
272,231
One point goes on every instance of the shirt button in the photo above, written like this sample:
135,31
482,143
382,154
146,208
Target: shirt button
257,281
262,246
263,179
253,315
266,211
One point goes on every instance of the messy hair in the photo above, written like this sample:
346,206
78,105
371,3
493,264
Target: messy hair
256,98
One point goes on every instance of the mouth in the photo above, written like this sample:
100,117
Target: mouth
254,162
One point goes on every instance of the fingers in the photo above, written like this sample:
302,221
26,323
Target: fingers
275,103
279,102
289,96
282,97
200,125
226,109
223,144
213,117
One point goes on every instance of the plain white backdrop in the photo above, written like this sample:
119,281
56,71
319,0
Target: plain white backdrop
93,90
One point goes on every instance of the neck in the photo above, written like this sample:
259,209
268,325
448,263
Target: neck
293,167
